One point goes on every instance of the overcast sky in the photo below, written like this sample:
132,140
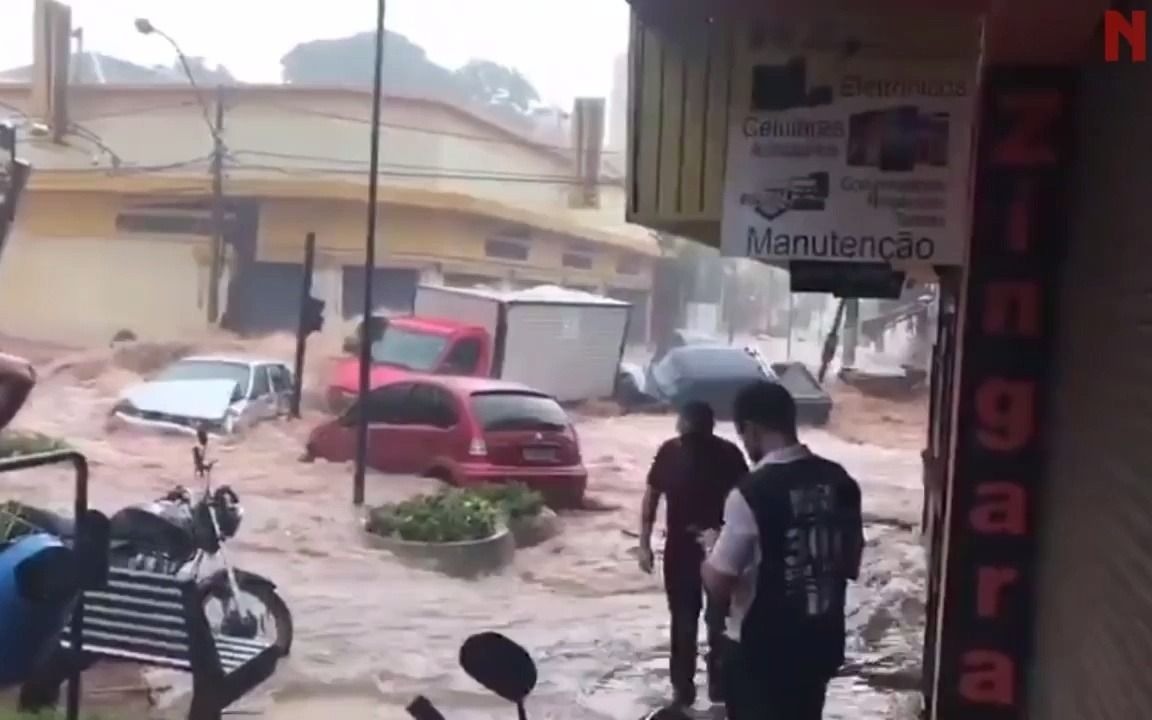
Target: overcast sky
565,47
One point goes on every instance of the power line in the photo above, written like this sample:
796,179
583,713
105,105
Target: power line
360,166
430,131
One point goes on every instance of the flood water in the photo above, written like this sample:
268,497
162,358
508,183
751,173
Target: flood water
371,633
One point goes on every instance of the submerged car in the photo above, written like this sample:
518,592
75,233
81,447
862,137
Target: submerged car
464,431
715,374
217,393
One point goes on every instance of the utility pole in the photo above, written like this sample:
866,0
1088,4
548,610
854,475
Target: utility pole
311,319
359,474
216,263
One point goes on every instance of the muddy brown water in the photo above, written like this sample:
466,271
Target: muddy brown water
371,633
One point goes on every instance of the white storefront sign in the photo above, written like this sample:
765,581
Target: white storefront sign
844,148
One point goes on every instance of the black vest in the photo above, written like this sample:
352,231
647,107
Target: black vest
808,518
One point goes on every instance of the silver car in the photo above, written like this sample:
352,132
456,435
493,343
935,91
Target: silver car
218,393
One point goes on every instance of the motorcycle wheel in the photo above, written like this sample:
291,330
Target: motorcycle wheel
271,606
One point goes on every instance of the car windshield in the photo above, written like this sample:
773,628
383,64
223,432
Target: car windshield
408,349
518,411
240,373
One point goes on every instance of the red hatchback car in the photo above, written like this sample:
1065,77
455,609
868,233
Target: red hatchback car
465,431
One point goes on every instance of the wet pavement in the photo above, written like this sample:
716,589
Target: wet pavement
372,634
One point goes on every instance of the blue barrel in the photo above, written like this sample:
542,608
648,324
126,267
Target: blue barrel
38,587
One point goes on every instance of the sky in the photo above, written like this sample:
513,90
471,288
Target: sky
565,47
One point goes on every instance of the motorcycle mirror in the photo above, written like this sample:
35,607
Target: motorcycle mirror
500,665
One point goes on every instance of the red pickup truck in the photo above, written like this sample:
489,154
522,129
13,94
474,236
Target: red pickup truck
410,345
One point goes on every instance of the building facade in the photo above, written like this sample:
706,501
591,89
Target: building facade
117,226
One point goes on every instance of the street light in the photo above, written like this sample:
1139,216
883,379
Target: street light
144,26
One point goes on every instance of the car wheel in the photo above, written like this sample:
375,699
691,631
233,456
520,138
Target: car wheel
627,393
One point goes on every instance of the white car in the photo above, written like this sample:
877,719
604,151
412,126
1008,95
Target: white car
217,393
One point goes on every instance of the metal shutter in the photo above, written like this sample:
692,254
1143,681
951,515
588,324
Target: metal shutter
1094,586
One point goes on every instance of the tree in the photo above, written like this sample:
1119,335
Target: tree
205,75
407,71
349,61
496,84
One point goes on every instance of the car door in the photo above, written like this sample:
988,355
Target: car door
282,387
390,414
434,421
261,401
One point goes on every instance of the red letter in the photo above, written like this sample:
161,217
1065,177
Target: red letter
1006,411
1001,509
1134,30
991,582
1024,128
988,678
1012,307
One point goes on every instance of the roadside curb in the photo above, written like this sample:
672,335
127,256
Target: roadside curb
464,559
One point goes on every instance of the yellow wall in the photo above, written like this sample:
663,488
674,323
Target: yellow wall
81,290
68,275
422,238
317,134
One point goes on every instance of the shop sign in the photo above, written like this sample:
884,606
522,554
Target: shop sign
1019,229
845,146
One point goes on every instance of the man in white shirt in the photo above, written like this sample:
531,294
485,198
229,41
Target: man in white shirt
792,537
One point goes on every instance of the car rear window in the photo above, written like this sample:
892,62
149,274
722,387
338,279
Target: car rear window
518,411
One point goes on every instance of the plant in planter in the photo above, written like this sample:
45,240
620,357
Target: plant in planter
529,518
16,520
456,532
516,500
450,516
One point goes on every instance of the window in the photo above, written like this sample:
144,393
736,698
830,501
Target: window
164,224
408,350
577,261
281,378
260,384
433,406
390,405
239,373
628,265
518,411
506,249
463,358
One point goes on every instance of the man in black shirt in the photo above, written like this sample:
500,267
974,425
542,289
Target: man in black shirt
694,472
791,539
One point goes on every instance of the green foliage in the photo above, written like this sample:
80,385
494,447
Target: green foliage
15,521
515,500
449,516
14,443
407,71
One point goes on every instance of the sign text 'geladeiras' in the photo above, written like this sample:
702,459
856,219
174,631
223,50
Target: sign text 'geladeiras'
1129,30
1018,233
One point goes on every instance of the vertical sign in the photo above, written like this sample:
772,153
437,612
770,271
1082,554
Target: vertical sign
1018,236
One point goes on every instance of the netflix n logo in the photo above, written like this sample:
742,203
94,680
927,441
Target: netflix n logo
1126,36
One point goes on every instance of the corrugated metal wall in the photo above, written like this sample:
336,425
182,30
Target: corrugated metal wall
1094,591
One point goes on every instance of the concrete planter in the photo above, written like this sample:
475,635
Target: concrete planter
530,531
464,559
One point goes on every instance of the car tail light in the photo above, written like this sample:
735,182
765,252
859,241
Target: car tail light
478,448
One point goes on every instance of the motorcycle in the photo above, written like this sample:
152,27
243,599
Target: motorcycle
177,534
